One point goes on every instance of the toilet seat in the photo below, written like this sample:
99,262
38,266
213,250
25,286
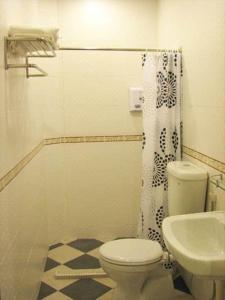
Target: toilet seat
133,252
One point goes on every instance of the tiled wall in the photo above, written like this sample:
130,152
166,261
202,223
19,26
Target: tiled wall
204,71
216,171
98,194
23,102
23,238
84,94
212,188
214,164
68,164
23,219
94,102
94,85
108,24
198,27
66,168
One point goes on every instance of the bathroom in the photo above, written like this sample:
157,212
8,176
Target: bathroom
71,150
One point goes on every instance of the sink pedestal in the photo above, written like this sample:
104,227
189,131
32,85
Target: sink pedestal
219,289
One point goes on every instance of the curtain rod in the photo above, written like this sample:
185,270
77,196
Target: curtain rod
120,49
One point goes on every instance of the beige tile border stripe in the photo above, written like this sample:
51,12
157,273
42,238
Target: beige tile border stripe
211,162
8,177
93,139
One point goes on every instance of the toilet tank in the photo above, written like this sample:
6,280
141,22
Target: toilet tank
186,188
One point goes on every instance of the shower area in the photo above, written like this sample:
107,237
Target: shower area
71,150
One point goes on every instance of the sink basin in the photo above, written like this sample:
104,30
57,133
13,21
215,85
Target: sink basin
197,242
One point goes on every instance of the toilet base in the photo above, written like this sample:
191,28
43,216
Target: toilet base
159,286
130,291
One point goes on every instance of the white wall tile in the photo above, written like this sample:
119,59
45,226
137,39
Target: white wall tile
22,202
107,24
102,192
212,189
204,130
198,27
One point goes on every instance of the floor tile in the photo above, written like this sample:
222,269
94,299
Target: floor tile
106,281
50,264
180,285
183,297
84,262
58,284
83,254
57,296
85,289
94,253
85,245
64,253
106,296
45,290
178,295
55,246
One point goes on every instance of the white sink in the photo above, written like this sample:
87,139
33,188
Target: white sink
197,242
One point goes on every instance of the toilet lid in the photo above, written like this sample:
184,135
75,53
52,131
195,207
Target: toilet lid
131,251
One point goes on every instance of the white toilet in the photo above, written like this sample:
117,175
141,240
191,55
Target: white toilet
136,264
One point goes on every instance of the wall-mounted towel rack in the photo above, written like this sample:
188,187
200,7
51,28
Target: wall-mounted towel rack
218,180
119,49
27,47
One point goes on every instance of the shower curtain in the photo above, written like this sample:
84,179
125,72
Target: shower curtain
161,137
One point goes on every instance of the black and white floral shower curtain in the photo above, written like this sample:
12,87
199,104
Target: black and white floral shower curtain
161,137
